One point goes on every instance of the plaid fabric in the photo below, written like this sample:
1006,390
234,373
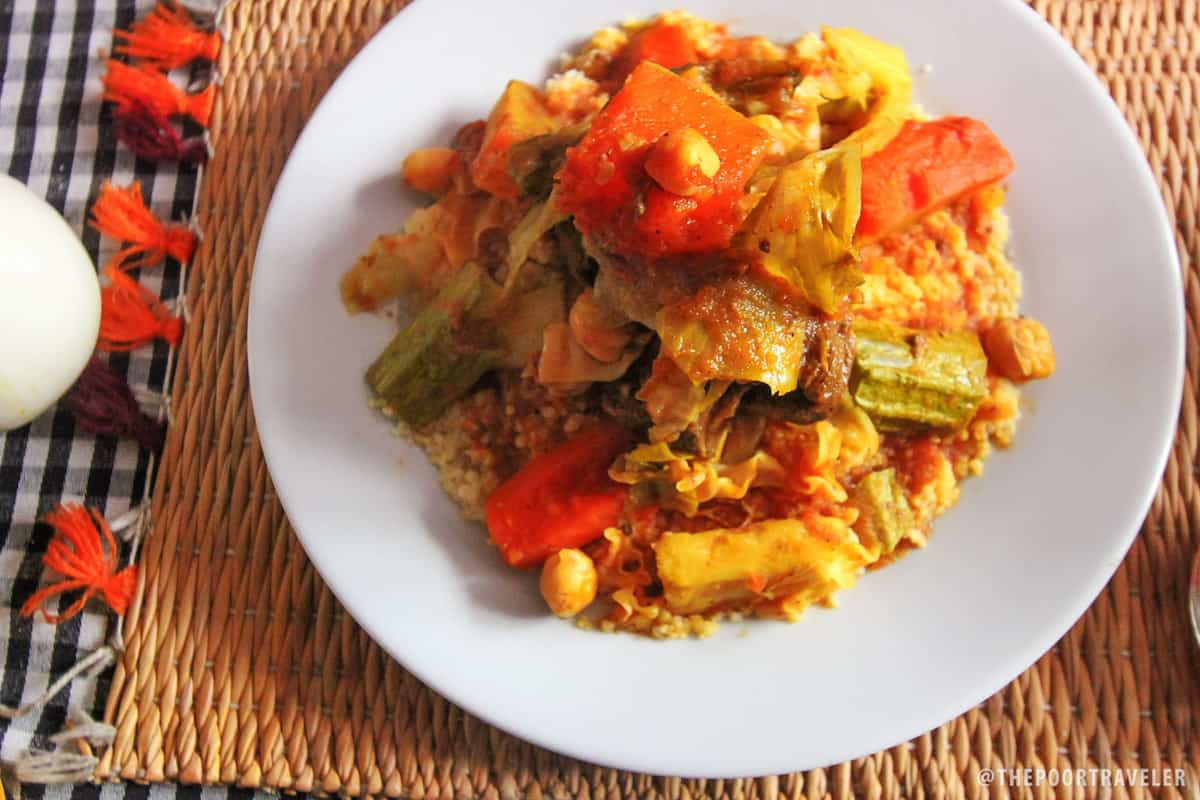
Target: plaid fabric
57,139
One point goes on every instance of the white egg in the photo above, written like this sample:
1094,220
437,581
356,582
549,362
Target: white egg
49,305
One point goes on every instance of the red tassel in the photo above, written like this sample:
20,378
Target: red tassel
84,551
125,85
103,404
153,138
122,214
167,38
130,316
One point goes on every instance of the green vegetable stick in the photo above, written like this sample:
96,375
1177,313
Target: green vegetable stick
884,513
428,365
907,379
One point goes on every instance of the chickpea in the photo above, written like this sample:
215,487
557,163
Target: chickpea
683,162
568,582
1019,349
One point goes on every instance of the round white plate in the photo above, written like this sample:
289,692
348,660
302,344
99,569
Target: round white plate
1008,570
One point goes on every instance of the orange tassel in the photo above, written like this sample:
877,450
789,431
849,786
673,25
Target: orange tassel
167,38
128,86
86,561
122,214
130,316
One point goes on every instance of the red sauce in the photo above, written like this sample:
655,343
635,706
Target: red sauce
916,459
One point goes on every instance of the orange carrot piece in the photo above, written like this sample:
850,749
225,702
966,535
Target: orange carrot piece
927,166
561,498
666,45
604,183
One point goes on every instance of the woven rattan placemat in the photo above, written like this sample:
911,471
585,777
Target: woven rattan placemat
241,667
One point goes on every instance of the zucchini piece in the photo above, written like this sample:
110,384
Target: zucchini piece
908,380
432,362
884,513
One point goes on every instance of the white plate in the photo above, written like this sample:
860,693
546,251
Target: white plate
1008,570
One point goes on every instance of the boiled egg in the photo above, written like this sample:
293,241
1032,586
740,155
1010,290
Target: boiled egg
49,305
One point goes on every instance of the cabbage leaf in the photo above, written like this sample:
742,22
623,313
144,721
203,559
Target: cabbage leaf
891,83
800,233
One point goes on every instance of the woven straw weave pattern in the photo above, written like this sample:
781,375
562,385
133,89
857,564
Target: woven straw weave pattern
241,668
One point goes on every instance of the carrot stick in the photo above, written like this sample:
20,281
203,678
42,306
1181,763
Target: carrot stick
925,167
561,498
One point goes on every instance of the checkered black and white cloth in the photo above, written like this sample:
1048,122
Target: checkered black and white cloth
57,138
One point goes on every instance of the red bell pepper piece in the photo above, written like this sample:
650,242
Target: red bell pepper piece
604,182
926,166
561,498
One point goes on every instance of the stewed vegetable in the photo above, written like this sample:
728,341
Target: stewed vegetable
724,322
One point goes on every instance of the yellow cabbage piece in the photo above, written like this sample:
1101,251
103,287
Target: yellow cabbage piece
536,223
887,67
673,401
785,564
859,441
683,481
800,233
736,329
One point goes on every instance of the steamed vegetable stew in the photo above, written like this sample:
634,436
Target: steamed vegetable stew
707,325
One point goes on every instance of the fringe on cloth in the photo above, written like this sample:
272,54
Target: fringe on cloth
145,99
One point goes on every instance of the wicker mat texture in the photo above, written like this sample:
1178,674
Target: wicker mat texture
241,668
